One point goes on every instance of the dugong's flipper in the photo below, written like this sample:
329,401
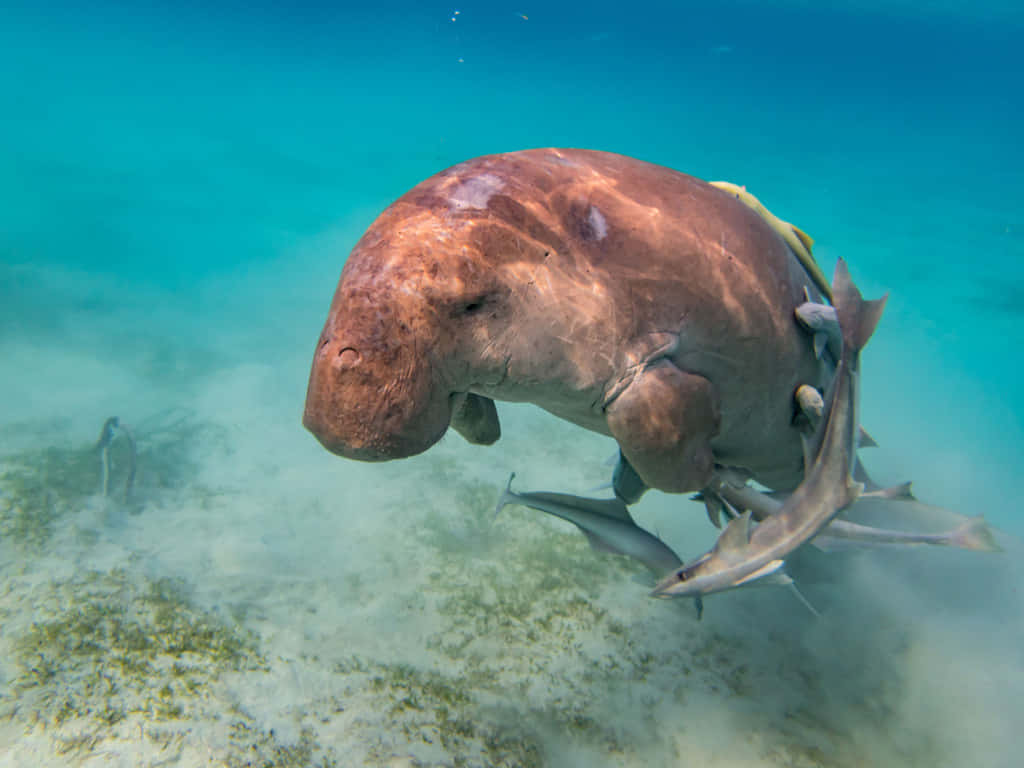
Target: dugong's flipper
475,418
664,421
626,482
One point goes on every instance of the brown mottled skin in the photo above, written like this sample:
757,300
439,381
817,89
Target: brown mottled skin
628,298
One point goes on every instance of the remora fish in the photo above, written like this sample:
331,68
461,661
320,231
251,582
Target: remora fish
742,555
820,320
606,523
972,534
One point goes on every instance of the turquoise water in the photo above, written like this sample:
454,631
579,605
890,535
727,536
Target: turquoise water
179,187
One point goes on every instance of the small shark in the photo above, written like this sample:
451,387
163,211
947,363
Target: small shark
971,534
743,553
606,523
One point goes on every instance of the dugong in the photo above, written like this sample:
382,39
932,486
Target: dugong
628,298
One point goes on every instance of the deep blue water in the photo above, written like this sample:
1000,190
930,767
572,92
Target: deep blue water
169,140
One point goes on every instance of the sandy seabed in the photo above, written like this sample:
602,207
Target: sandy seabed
259,602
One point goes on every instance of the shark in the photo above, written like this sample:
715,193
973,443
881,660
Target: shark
608,526
972,533
606,523
745,553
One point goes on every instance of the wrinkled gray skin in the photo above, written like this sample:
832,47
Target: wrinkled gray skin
628,298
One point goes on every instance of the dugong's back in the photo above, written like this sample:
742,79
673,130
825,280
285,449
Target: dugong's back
592,268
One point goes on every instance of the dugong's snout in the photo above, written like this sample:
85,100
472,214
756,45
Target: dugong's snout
371,402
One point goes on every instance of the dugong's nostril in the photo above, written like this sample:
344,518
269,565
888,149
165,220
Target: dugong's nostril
347,358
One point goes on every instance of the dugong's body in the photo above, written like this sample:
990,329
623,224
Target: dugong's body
628,298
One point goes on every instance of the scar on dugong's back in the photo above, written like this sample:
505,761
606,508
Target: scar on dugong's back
475,192
597,227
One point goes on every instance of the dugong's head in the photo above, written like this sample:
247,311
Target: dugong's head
423,314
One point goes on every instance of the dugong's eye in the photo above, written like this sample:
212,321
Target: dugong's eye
473,306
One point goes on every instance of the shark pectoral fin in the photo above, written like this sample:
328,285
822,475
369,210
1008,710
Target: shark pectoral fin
779,578
803,600
713,506
765,571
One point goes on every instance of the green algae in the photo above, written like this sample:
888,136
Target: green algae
40,487
104,646
523,642
257,747
431,709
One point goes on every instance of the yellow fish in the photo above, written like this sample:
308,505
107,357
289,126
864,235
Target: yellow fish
795,237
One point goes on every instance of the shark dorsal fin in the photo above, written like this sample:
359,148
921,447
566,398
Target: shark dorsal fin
736,535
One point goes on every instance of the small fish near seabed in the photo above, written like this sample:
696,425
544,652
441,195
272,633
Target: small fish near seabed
113,427
606,523
744,553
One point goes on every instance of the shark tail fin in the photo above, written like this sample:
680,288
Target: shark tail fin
975,534
857,317
506,497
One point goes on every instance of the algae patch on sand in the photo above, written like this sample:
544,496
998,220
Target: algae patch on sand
103,647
